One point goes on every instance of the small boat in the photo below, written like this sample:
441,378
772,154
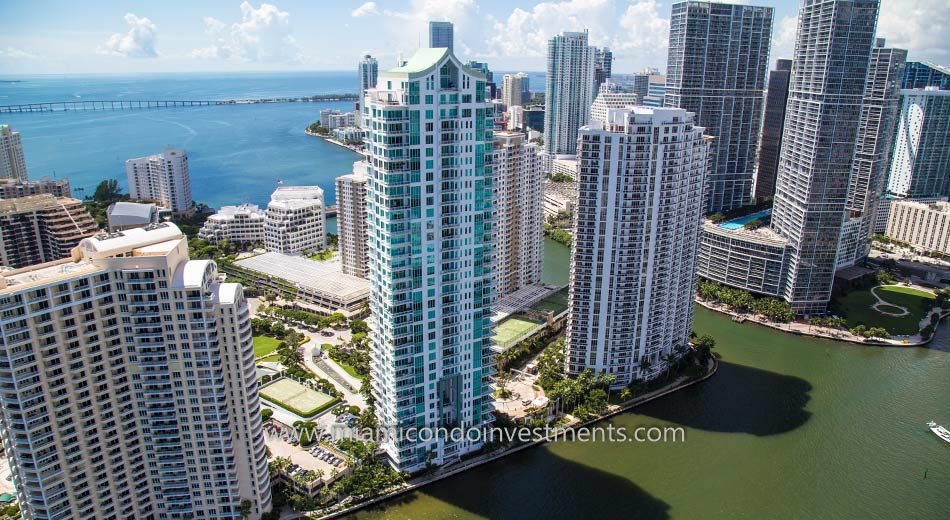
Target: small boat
939,431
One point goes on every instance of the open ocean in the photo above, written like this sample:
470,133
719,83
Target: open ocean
236,153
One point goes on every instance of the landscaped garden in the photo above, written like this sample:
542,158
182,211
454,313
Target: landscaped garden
896,308
264,345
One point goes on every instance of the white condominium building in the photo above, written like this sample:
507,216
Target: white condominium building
163,179
641,174
920,166
295,220
926,227
352,221
430,205
12,160
519,213
512,89
127,384
611,95
568,91
242,224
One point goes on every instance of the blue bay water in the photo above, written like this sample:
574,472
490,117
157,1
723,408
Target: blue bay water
237,153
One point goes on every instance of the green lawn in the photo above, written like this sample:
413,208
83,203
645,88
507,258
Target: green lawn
264,345
513,328
856,307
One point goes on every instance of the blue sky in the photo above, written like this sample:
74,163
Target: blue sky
58,36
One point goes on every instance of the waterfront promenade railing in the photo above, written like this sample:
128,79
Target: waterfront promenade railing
130,104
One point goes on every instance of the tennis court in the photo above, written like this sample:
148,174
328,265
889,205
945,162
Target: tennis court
510,329
296,397
555,302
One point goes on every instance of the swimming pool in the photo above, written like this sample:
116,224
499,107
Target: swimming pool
737,223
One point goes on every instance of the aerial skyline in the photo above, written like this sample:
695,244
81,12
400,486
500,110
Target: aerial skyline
177,36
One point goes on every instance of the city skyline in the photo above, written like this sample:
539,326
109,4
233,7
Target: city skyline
235,36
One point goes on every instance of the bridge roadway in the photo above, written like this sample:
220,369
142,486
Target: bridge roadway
67,106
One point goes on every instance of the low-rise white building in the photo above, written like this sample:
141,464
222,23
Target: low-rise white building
127,215
242,224
320,287
925,227
295,220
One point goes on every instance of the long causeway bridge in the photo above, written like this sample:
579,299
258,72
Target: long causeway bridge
129,104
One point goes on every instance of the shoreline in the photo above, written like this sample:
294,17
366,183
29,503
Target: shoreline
352,148
815,331
612,411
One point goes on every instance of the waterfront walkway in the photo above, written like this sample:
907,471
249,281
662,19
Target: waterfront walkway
448,471
807,329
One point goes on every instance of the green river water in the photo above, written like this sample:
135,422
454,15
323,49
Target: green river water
789,427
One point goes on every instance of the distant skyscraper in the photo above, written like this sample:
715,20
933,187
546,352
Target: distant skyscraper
568,91
920,167
163,179
830,65
641,85
603,66
441,34
640,190
367,70
718,61
352,221
525,89
482,67
512,89
430,237
872,151
921,74
770,142
129,385
12,160
518,183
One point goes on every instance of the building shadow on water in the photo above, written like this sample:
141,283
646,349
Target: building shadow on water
738,399
534,483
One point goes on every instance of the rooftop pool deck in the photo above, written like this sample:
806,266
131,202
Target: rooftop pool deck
737,223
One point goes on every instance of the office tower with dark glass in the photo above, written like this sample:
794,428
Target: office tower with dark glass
718,62
603,65
921,74
430,209
920,166
830,64
872,151
770,141
568,91
441,35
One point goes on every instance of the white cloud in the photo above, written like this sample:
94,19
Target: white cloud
139,42
16,54
365,9
920,26
264,34
783,38
644,33
525,33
